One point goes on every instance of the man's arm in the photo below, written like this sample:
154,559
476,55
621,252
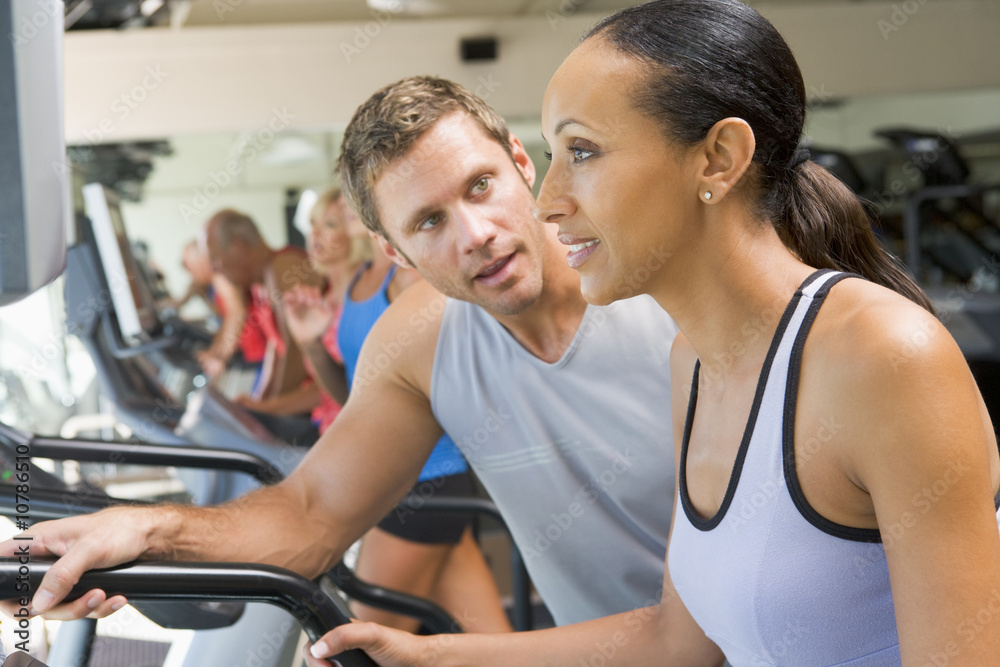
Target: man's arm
351,478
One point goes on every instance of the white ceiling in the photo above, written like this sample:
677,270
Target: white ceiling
244,12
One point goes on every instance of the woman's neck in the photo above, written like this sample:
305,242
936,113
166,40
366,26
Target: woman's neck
728,302
339,277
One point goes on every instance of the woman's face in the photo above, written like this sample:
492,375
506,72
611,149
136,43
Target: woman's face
329,243
619,191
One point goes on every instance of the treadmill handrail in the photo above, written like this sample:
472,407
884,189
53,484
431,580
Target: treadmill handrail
314,609
120,350
433,617
520,580
141,453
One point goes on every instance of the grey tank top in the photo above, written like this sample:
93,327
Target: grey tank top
577,454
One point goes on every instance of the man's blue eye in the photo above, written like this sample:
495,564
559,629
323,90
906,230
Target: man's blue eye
429,222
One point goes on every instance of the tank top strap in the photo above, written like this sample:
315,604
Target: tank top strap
384,287
770,395
355,278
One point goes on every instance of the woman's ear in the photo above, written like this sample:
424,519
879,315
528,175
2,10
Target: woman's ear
727,150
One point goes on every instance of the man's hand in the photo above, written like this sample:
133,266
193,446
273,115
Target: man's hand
111,537
386,646
307,313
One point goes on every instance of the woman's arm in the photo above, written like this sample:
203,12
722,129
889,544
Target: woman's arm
296,402
330,373
923,447
286,271
227,338
308,315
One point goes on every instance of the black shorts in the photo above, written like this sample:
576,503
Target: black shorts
408,521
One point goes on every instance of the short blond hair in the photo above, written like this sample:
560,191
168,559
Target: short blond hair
390,122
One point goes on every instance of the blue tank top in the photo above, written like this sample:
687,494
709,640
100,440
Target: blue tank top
356,321
767,578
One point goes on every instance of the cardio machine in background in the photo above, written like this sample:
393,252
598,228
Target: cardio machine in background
34,222
949,224
110,309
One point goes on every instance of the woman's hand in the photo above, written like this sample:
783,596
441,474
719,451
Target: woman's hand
308,314
386,646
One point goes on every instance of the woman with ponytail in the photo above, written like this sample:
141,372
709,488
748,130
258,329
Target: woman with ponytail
837,469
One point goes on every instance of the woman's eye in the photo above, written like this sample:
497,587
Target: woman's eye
481,185
548,156
580,154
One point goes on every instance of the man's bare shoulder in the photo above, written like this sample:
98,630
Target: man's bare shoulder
402,343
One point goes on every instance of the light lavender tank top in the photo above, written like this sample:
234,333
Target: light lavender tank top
767,578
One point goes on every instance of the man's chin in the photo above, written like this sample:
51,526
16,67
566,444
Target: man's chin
513,301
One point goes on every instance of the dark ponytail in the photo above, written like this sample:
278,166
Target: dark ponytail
715,59
826,226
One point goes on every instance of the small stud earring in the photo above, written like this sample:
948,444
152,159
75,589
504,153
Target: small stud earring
708,195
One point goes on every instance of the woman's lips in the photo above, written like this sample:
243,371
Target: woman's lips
579,249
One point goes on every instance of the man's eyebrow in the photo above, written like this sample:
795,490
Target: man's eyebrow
420,215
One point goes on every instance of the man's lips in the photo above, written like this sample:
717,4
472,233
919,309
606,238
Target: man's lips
495,267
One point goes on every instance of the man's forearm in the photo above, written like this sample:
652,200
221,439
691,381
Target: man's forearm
270,525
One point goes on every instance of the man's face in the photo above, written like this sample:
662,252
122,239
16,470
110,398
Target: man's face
460,210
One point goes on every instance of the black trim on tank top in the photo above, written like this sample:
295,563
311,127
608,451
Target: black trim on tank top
697,520
788,429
